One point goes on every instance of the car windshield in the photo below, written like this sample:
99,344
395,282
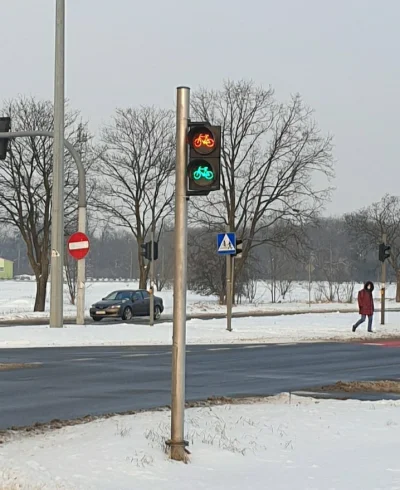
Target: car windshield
119,295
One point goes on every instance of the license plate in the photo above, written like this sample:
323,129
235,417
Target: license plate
100,312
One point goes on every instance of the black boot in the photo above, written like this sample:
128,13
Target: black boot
354,328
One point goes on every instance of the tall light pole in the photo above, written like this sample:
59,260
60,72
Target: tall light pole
177,443
57,213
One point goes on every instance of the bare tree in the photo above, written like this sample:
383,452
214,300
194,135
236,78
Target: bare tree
271,154
206,269
369,224
278,267
134,173
165,265
26,183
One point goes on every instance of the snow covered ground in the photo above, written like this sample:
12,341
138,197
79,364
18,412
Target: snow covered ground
17,299
281,329
283,443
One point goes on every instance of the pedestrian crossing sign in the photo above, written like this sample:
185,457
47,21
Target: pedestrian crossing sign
226,243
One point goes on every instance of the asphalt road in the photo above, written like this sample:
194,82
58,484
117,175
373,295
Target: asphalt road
73,382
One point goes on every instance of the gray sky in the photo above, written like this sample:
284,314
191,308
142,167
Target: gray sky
342,56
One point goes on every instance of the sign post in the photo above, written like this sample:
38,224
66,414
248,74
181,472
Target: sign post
226,245
78,247
177,443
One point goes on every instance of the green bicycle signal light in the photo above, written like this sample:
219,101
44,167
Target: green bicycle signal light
202,173
204,167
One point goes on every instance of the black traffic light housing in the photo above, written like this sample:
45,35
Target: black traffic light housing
5,126
146,253
204,168
239,249
155,251
384,252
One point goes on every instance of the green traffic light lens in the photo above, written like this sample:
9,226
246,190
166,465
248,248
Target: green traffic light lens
202,173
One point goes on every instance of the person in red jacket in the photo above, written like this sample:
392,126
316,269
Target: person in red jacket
365,305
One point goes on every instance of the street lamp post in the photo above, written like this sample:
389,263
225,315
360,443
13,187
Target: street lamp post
57,214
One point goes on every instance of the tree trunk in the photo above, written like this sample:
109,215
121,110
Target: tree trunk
142,275
41,288
398,286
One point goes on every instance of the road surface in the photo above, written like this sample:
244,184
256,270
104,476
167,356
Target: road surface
73,382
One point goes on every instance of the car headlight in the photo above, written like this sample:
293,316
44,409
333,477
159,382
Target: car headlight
114,307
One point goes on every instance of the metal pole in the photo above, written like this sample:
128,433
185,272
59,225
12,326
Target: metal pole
152,276
233,279
57,215
228,290
309,284
177,443
81,273
383,285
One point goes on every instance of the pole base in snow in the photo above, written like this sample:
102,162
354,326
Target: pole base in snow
178,450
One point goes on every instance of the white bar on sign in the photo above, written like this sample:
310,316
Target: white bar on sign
78,245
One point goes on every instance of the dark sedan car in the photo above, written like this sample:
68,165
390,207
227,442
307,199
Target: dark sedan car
126,304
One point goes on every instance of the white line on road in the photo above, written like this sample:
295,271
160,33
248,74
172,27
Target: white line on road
83,359
220,348
146,355
253,346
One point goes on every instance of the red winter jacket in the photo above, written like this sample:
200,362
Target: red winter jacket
365,302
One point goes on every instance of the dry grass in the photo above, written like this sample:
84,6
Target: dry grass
384,386
10,366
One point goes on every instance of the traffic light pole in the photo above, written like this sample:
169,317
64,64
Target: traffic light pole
152,276
229,282
177,443
57,205
383,285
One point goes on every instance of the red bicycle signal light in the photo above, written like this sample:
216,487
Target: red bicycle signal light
202,140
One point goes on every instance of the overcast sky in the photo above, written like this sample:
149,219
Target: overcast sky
342,56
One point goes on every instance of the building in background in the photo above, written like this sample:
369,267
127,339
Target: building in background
6,269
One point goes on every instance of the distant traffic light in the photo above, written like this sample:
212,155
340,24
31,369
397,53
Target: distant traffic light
384,252
155,251
239,249
146,253
5,126
204,167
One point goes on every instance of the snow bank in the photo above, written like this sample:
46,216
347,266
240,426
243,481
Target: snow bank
285,443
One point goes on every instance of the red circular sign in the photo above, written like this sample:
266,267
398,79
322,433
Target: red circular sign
78,245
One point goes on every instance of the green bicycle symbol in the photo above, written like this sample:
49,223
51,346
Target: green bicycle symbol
203,172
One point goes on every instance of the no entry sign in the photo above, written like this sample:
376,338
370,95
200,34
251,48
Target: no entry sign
78,245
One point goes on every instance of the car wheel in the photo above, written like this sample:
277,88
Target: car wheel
127,314
157,312
97,318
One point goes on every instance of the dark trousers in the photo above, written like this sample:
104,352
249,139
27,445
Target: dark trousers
362,320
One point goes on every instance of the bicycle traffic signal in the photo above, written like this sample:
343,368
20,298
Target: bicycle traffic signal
384,252
5,126
146,253
204,167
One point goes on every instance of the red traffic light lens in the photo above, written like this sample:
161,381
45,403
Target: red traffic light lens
202,140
